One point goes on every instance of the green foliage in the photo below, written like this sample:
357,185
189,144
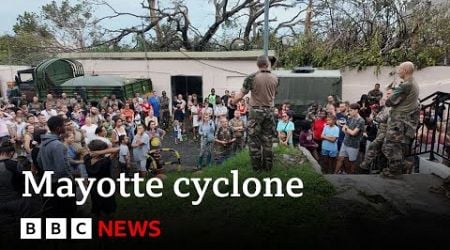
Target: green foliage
423,37
244,214
321,55
58,27
29,44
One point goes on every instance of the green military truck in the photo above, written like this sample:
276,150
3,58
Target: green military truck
307,86
304,87
59,75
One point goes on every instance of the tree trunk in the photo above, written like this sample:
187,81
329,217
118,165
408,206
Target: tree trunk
154,18
308,19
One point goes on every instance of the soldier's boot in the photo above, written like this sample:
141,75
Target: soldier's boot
394,170
365,165
386,173
256,164
408,167
268,164
209,160
199,162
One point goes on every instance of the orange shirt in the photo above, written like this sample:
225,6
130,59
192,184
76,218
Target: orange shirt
128,113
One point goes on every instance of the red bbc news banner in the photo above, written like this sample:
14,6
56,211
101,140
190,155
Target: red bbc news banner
129,228
83,228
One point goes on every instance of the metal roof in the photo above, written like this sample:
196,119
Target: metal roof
175,55
98,81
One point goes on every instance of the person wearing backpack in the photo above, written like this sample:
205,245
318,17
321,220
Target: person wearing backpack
53,157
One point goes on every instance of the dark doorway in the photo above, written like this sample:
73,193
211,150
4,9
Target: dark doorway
187,85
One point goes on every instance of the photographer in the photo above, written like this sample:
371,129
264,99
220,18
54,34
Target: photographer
375,95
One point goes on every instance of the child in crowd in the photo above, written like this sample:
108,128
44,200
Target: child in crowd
177,132
283,138
195,121
329,151
124,154
306,139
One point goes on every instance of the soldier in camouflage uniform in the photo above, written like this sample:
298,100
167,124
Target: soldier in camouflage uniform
402,122
224,140
260,125
374,149
238,127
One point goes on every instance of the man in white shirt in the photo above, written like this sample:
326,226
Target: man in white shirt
48,112
89,130
220,111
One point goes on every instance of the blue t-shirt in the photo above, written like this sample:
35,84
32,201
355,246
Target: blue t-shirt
155,105
330,131
289,126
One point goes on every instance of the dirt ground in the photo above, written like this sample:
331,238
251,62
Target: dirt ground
188,149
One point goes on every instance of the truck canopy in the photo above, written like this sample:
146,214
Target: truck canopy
96,86
54,72
98,80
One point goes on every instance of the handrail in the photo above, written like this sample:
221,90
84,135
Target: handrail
434,94
435,111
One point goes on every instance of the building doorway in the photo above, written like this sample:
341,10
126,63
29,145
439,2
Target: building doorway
187,85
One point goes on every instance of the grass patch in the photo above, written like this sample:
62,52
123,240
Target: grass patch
217,217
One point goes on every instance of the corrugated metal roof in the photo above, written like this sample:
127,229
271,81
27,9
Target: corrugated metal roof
98,81
176,55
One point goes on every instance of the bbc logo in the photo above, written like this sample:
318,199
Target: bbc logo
56,228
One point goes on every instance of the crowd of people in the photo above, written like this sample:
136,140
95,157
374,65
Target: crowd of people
78,138
376,133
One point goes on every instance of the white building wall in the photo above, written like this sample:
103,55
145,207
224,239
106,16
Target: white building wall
356,83
218,74
229,74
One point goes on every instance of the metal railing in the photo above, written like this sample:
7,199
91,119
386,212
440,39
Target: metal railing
433,133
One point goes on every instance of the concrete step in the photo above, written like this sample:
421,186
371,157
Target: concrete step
408,194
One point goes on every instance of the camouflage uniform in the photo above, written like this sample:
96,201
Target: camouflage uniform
401,125
374,149
260,125
224,151
239,135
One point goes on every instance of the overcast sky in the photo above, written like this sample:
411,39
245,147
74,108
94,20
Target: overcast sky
9,12
200,12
